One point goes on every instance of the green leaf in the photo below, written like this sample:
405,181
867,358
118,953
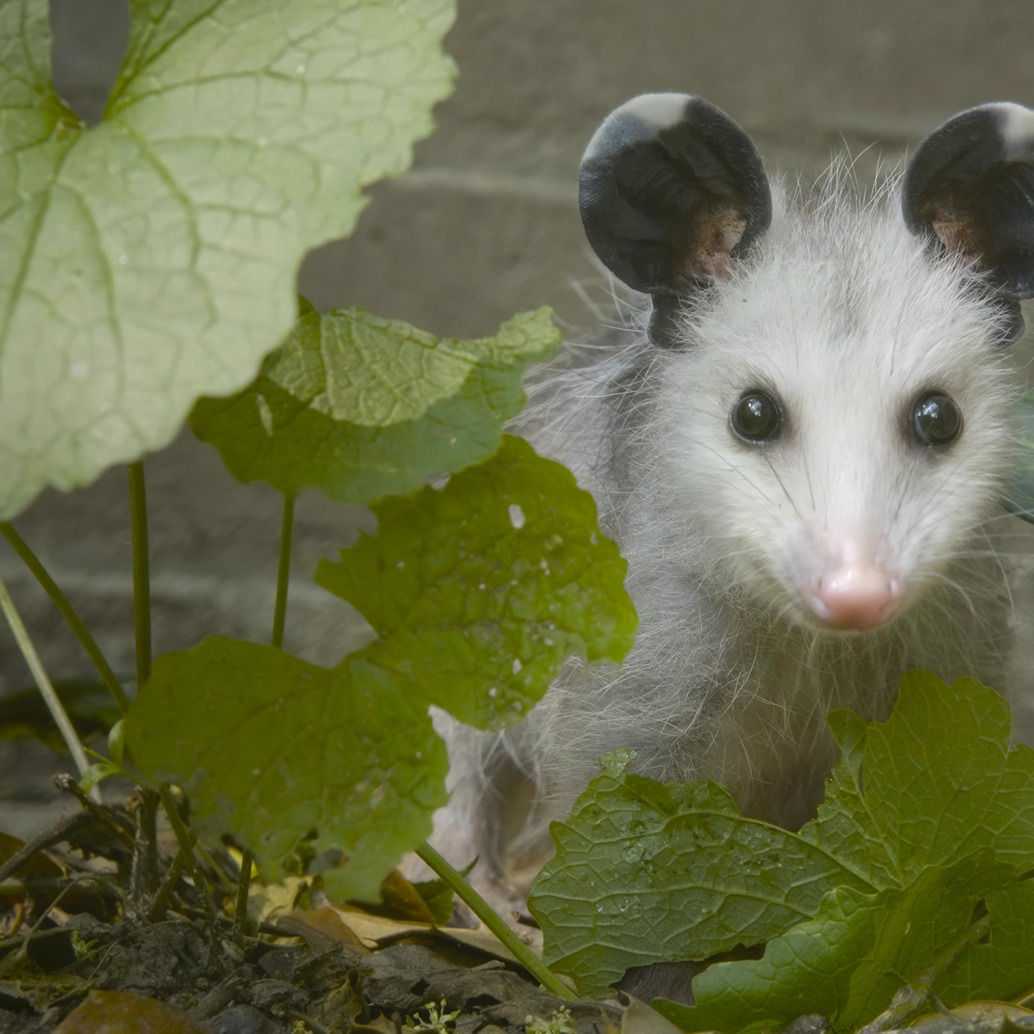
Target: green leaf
934,783
361,407
97,772
271,748
481,591
646,872
438,897
860,949
492,581
151,258
652,872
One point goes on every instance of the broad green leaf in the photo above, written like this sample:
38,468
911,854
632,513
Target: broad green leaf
1001,963
935,782
860,949
361,407
151,259
935,785
481,591
652,872
270,749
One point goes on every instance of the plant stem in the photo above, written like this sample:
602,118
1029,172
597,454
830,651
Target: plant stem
240,912
57,711
915,996
60,600
477,904
186,841
161,900
143,881
283,571
141,572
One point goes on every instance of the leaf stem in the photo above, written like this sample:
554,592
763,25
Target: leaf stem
240,912
185,839
161,900
477,904
141,572
283,572
67,611
50,697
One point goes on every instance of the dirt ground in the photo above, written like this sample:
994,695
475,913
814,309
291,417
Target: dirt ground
99,932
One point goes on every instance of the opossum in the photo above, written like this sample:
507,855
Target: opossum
800,440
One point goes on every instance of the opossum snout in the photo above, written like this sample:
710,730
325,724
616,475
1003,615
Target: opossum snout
854,590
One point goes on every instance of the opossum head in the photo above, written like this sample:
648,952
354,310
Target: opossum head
831,407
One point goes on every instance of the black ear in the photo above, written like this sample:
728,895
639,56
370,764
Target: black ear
970,188
671,190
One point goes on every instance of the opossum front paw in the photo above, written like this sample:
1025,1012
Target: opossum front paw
509,904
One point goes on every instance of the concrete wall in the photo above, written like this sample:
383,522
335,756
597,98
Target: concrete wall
486,225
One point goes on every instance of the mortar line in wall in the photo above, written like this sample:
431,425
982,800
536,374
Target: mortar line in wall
171,585
489,184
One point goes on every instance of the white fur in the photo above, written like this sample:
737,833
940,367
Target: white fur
1017,130
841,311
641,118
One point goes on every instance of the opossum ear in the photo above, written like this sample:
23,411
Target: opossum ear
671,190
970,188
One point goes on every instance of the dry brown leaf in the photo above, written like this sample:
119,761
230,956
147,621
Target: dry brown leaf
403,900
989,1014
268,901
119,1012
639,1018
321,928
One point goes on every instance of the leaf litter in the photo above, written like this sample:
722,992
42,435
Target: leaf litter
64,969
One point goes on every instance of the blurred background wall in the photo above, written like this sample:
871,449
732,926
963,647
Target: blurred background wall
483,226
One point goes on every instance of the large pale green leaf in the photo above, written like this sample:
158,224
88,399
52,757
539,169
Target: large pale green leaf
935,785
151,259
270,749
363,407
481,591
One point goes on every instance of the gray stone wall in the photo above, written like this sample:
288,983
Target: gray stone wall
486,225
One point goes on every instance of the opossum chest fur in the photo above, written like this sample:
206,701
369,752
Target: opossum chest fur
801,442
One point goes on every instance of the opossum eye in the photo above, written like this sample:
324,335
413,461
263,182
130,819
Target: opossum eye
756,417
936,419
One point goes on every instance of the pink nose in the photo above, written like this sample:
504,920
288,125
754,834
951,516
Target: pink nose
855,594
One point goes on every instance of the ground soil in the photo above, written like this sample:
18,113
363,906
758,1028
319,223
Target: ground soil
88,916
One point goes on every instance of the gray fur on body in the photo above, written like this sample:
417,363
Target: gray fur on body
849,318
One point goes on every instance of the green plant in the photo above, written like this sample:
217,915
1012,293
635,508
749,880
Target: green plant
560,1022
915,874
438,1021
231,145
150,259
